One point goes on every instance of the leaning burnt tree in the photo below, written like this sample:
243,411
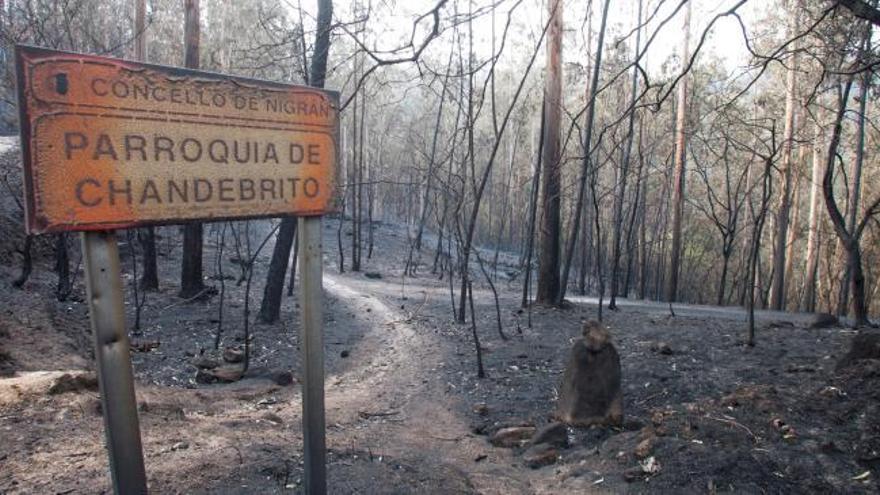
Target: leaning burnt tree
587,164
852,207
850,238
315,78
270,308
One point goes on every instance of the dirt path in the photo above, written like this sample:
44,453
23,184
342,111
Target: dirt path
393,402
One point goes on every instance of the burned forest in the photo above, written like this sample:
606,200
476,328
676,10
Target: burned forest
439,246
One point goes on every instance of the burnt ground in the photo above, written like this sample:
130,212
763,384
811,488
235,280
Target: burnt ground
404,406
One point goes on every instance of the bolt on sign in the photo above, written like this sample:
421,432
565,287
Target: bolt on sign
110,143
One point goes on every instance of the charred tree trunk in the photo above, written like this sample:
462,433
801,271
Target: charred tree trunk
62,267
287,229
643,244
678,180
550,231
150,276
292,282
467,164
586,225
533,209
357,207
856,189
342,205
600,273
147,236
429,173
634,219
444,219
849,239
586,165
479,187
812,264
191,281
777,296
221,277
754,252
793,229
270,307
27,263
481,373
371,197
624,171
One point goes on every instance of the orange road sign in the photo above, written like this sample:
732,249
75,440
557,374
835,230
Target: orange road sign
110,143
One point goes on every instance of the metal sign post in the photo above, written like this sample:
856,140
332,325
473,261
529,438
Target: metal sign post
312,342
107,312
111,143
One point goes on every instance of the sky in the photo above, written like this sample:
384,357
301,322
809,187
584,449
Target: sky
393,23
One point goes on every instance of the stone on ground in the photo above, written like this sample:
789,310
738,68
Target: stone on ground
221,374
205,362
554,434
231,355
590,393
661,348
513,436
540,455
73,383
646,446
481,408
278,376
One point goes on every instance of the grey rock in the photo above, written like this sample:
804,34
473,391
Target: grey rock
231,355
74,383
204,362
513,436
554,434
590,392
662,348
540,455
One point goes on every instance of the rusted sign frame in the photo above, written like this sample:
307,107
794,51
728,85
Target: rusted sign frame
37,224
